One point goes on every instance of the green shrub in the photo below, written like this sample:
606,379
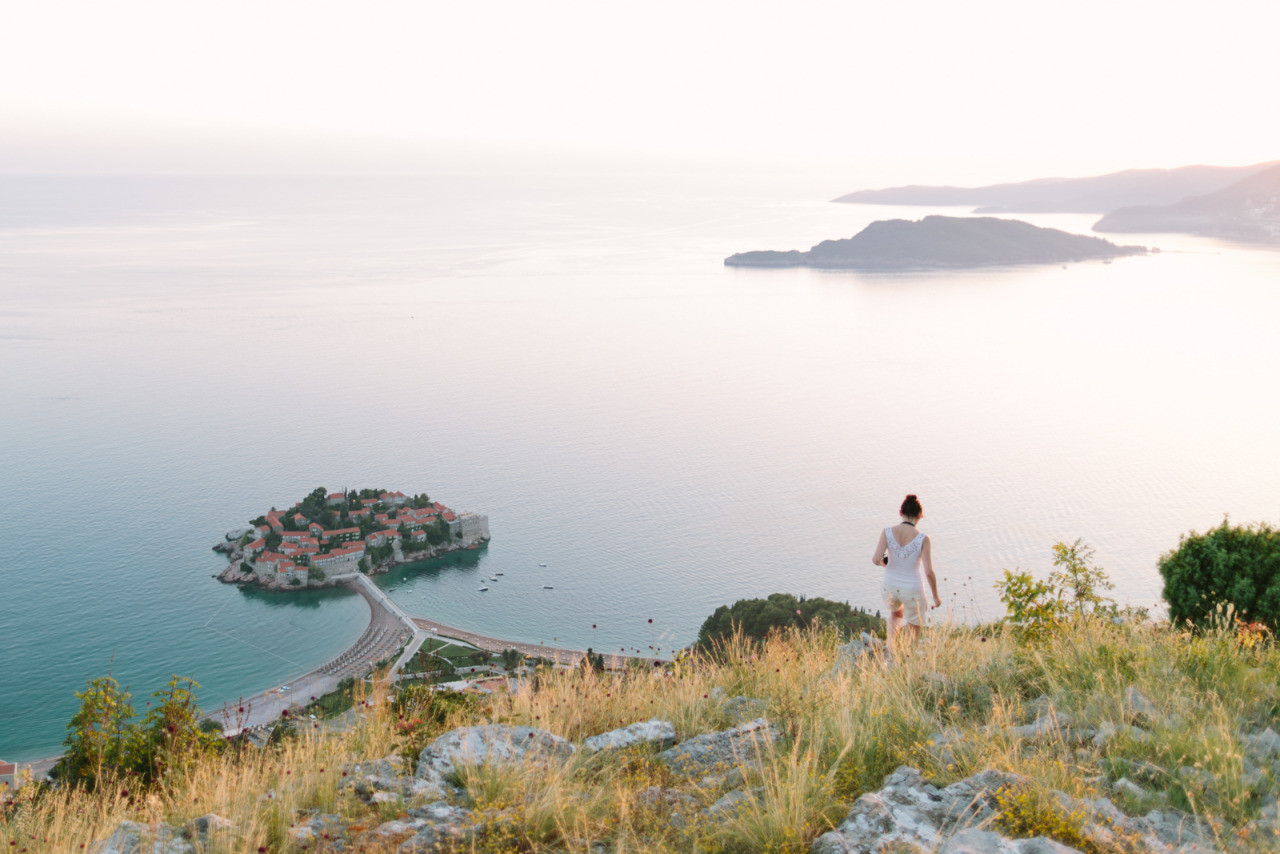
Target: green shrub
756,618
1074,588
1231,564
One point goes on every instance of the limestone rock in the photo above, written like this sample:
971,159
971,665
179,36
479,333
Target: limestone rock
1139,709
727,805
661,733
387,766
131,837
385,798
975,841
1107,731
210,823
1051,725
439,826
741,709
847,654
716,753
909,812
316,826
1262,746
498,744
1126,786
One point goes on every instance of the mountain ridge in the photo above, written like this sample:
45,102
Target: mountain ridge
1091,194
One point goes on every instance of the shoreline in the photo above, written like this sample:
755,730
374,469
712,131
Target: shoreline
384,634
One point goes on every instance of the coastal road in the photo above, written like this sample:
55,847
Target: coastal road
559,655
266,707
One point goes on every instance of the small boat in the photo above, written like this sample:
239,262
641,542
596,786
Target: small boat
547,587
493,579
542,564
483,588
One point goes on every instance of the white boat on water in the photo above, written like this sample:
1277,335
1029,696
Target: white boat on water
542,564
483,588
547,587
499,573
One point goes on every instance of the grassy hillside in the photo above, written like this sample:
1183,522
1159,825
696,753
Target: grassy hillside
950,708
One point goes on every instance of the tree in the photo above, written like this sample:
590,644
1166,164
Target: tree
171,734
511,658
97,735
273,539
756,618
1228,565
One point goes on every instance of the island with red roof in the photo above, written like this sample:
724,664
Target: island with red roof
330,534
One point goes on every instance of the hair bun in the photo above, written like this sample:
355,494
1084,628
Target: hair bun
913,495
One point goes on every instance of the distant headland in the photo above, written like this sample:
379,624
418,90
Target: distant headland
942,242
1247,210
329,534
1094,194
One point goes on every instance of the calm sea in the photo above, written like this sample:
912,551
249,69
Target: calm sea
569,356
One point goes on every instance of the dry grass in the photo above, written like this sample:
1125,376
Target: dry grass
841,735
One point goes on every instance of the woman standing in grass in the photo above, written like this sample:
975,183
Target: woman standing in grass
907,557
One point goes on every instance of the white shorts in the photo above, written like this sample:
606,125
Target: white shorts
910,601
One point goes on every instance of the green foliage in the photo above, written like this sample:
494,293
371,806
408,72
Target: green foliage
170,734
1028,813
98,735
316,576
1074,588
437,532
511,658
756,618
592,661
103,743
273,539
1238,565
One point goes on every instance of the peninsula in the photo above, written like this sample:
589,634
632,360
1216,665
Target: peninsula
1248,210
942,242
329,534
1093,194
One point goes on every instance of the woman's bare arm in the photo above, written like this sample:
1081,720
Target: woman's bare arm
881,545
926,554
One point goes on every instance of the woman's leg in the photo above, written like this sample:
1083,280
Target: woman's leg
895,626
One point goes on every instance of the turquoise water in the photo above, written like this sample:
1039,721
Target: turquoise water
570,357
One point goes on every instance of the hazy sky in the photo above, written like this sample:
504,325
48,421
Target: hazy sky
1086,86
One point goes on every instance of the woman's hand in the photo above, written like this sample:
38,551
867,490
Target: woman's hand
937,603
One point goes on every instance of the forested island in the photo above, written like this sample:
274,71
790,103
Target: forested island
328,534
942,241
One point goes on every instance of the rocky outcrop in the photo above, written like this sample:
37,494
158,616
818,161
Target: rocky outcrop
721,758
911,813
131,837
647,733
496,744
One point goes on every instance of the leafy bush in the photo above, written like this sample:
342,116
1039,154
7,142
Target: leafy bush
1236,565
756,618
1074,588
103,743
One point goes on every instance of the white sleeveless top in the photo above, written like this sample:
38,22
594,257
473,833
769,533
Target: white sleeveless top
904,570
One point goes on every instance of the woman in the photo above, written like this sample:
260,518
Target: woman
907,557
